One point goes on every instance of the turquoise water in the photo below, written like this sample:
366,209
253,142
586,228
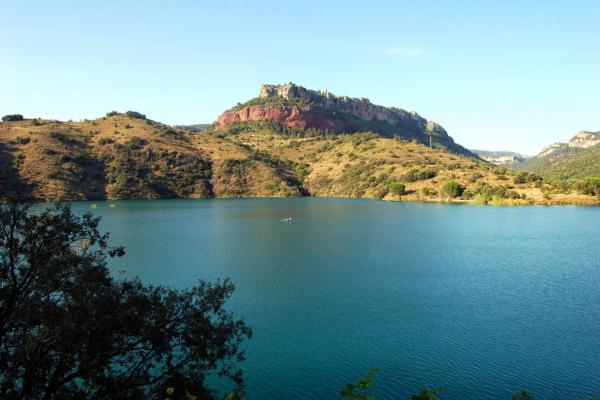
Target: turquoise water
482,300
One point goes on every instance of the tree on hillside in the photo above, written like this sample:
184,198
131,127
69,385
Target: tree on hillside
453,189
68,330
397,188
12,117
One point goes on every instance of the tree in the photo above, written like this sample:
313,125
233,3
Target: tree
428,394
135,114
361,389
591,186
68,330
453,189
12,117
397,188
522,395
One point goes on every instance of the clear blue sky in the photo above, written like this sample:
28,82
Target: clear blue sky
497,75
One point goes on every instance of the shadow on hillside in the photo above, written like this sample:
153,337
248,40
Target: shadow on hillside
11,184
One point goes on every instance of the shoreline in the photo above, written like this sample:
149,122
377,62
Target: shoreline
592,202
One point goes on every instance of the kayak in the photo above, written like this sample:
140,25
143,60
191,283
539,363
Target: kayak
288,219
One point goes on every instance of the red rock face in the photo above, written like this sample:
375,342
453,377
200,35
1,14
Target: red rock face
292,117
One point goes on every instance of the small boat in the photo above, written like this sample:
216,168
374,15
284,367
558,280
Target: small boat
288,219
111,206
94,205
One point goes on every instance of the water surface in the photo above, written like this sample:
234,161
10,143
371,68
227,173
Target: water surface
482,300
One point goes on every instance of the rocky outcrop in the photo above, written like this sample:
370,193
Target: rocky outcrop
291,116
585,139
501,158
582,140
297,107
551,149
359,107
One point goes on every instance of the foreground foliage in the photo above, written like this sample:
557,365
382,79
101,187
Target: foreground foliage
68,330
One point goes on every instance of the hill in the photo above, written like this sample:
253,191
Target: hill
294,106
579,158
127,156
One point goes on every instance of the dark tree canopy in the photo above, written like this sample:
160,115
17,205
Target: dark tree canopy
135,114
453,189
12,117
68,330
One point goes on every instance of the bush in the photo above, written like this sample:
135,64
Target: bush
135,114
22,139
380,193
112,113
415,175
520,178
474,177
397,188
428,191
12,117
452,189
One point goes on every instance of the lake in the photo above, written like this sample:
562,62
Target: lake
483,300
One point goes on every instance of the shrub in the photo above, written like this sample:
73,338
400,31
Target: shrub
22,139
520,178
428,191
512,194
397,188
12,117
112,113
380,193
452,189
474,177
415,175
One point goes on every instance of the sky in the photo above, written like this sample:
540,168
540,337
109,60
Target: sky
503,75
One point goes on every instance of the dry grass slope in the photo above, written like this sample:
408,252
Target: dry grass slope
120,156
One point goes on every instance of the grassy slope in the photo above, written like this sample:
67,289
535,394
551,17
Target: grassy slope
363,165
122,157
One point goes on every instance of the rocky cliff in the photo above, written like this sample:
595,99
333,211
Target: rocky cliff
585,139
297,107
501,158
582,140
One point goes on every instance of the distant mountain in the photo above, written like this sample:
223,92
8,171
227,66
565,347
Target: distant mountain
507,159
579,158
296,107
